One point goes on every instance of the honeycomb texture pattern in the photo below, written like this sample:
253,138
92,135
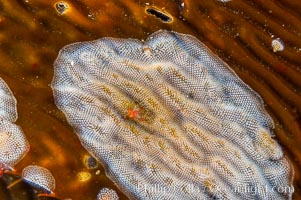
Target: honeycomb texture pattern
39,177
13,144
168,119
107,194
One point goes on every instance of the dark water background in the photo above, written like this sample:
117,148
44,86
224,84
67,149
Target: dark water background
33,31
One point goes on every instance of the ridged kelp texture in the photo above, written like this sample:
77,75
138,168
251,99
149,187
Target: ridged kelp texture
13,144
166,115
240,32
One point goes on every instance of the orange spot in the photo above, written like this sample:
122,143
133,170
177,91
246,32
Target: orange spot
133,113
1,171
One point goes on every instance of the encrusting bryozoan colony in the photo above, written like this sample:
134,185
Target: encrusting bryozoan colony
39,177
107,194
168,119
13,144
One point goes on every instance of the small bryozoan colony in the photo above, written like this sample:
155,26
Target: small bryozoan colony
39,177
107,194
13,144
168,119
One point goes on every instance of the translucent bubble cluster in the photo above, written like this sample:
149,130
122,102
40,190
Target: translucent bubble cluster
13,144
170,120
39,177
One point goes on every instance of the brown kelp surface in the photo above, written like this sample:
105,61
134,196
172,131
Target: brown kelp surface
240,32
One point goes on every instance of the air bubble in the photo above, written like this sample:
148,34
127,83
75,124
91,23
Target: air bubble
61,7
163,16
277,45
90,162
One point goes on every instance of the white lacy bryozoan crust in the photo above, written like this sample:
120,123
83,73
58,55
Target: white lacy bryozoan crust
170,120
107,194
13,144
39,177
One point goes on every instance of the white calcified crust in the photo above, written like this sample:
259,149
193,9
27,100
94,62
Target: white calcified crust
39,177
107,194
8,103
13,144
169,120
